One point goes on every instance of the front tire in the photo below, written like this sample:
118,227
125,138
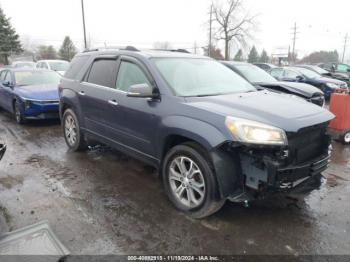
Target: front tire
190,182
20,119
72,133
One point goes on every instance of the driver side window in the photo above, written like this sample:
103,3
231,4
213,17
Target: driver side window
130,74
290,74
2,75
8,76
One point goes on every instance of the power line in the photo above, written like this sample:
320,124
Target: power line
294,41
82,10
345,42
210,30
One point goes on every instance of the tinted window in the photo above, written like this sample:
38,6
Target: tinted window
342,68
75,66
103,73
130,74
277,72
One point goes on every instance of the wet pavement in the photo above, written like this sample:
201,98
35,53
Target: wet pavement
103,202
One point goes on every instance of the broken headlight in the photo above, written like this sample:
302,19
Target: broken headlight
252,132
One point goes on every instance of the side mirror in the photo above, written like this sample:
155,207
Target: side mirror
300,78
348,70
141,91
7,83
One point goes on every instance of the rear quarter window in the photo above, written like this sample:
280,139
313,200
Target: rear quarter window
75,66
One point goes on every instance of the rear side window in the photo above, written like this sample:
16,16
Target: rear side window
130,74
103,72
75,66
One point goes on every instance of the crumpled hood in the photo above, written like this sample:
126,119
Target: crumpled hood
288,113
330,80
302,89
38,92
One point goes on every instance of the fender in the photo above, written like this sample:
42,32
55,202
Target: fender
70,98
227,167
203,133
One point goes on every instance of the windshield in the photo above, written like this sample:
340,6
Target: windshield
254,74
200,77
307,72
25,64
319,70
26,78
59,66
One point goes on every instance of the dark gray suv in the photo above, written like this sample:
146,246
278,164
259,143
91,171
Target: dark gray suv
212,135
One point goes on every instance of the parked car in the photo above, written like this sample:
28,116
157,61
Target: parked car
60,66
303,75
340,76
21,64
29,93
212,134
261,79
2,150
265,66
336,68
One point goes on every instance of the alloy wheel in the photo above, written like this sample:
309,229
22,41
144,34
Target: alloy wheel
187,182
70,129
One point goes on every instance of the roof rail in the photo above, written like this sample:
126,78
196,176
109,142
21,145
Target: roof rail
173,50
106,48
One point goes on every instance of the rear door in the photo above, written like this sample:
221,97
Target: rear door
100,100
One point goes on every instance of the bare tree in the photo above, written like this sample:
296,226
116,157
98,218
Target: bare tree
234,23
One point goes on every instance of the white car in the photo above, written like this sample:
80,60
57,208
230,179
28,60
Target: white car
60,66
21,64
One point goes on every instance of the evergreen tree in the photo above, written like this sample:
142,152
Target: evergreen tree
47,52
67,50
264,58
9,40
239,56
253,56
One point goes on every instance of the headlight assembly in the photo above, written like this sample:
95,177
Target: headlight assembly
252,132
332,85
28,104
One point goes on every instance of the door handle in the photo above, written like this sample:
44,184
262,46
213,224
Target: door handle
82,93
113,102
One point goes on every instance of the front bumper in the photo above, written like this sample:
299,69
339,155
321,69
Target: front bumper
40,110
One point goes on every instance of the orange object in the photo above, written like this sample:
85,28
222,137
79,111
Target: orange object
340,107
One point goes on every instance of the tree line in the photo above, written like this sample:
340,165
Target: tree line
10,44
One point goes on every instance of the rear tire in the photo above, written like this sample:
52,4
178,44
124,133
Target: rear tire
190,182
20,119
72,133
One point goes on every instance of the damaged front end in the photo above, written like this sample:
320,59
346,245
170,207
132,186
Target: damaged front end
280,169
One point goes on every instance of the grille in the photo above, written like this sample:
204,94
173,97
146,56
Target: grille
308,143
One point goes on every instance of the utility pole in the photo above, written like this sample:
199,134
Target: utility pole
210,29
82,10
345,43
294,40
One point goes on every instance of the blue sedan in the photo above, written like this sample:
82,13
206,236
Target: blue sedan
29,93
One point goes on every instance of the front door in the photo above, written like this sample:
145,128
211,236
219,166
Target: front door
140,114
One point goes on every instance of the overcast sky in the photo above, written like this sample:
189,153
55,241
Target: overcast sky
322,25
